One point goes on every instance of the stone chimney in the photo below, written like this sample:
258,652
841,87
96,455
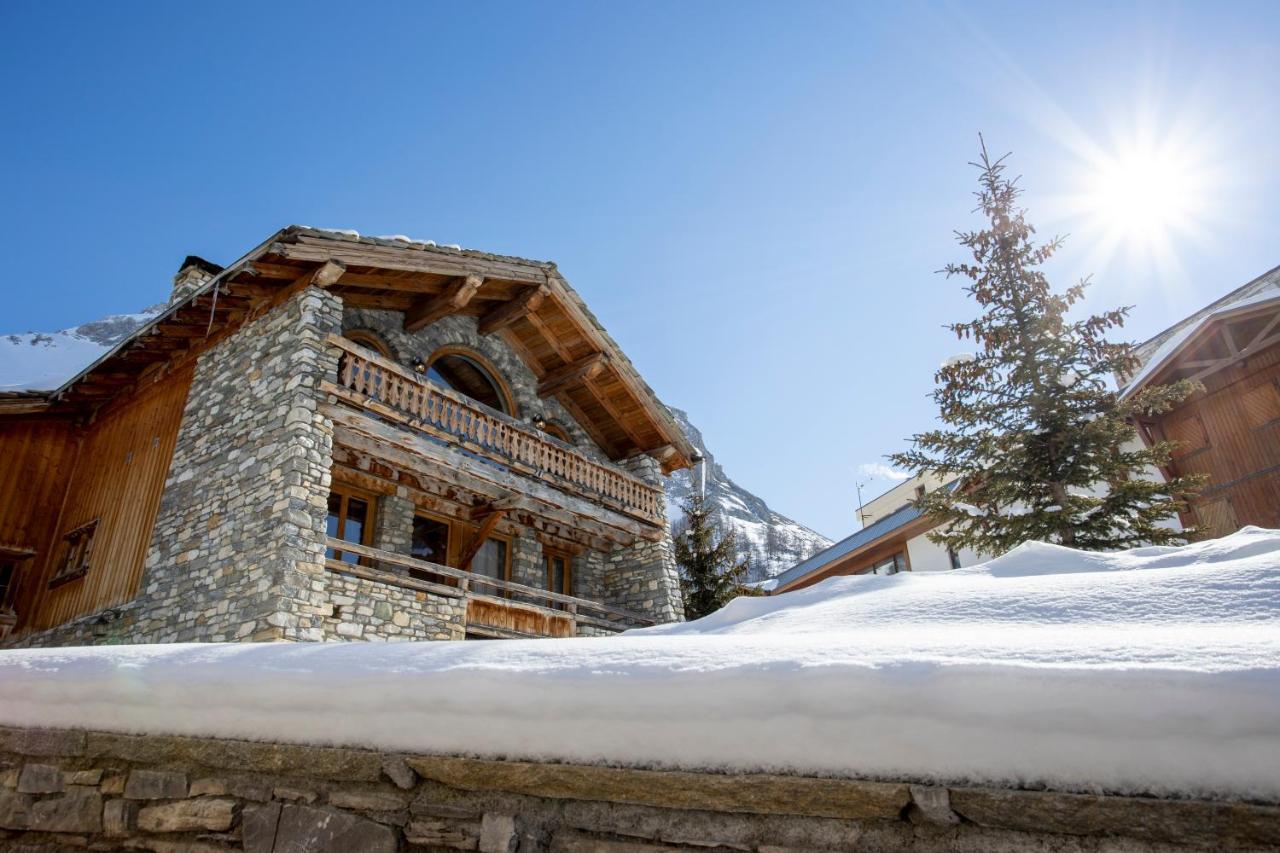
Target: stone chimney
194,274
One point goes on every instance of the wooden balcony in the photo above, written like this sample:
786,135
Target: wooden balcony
380,386
495,608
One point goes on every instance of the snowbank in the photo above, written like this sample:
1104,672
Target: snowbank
1152,671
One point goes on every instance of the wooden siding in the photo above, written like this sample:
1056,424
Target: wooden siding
1232,435
37,456
517,620
119,472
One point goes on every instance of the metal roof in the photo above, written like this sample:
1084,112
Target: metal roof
881,527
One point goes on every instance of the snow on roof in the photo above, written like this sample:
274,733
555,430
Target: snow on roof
1149,671
1175,341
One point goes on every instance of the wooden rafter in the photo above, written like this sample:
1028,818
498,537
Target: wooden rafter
506,314
609,407
573,373
428,309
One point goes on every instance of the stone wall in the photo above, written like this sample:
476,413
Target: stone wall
75,790
361,609
237,552
644,577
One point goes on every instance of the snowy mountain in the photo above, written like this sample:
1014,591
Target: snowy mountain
36,361
770,541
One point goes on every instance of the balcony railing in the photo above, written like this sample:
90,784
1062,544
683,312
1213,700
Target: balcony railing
494,607
369,380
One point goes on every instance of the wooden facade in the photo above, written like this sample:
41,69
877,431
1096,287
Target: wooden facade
1229,432
63,474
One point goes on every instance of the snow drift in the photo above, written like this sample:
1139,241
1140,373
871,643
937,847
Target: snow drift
1151,671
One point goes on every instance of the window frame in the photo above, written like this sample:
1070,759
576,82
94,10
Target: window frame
77,558
510,409
370,339
509,542
548,555
346,492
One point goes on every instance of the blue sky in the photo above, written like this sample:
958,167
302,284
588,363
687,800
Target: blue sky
754,198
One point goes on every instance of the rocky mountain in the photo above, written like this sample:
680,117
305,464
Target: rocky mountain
771,542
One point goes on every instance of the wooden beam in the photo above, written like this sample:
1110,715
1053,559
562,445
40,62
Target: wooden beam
427,310
420,454
477,541
609,407
436,261
573,373
506,314
328,273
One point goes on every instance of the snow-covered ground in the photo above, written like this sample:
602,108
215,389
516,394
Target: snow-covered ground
1155,670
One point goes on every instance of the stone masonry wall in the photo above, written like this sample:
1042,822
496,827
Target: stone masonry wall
644,577
237,552
367,610
63,789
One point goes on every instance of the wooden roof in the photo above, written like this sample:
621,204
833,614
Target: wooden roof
1216,340
527,303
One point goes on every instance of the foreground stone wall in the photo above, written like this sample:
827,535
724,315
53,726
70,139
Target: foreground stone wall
76,790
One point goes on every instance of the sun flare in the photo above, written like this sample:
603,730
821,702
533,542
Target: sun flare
1143,195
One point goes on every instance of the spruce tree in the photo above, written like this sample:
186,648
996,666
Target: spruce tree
709,577
1033,426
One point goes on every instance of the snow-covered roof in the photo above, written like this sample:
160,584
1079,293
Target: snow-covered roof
1176,341
1155,671
881,527
1160,350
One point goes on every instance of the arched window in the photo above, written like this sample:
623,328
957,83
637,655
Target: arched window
554,430
370,340
471,374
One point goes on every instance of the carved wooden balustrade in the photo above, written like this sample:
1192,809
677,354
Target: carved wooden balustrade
368,380
495,607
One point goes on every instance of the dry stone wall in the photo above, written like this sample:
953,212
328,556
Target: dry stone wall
64,790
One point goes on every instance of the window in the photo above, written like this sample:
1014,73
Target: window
556,431
889,566
559,572
471,375
370,340
491,559
431,543
1261,404
11,564
75,563
350,519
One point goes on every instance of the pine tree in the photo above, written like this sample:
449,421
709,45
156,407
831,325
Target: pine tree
709,576
1032,423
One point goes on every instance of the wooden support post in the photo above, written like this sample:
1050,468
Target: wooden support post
573,373
490,522
455,297
504,315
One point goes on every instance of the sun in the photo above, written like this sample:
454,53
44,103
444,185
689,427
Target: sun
1144,195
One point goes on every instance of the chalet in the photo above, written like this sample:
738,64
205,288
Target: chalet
343,437
1229,432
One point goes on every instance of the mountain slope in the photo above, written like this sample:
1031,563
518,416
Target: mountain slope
36,361
770,541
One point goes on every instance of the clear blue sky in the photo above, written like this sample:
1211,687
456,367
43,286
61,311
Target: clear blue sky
752,197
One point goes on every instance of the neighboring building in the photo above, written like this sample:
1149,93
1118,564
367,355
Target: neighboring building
892,539
1230,431
343,437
